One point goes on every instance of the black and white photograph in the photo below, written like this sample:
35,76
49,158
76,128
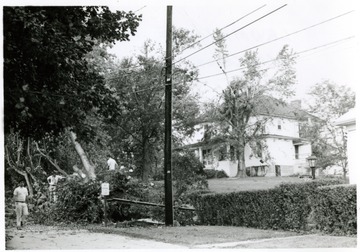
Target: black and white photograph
176,124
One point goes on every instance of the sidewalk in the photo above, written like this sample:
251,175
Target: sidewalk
303,241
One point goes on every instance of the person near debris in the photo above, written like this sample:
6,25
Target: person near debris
53,181
21,197
111,163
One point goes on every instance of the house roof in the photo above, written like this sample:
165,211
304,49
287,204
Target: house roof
347,118
211,142
270,106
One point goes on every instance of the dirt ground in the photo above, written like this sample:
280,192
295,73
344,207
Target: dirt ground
199,237
43,238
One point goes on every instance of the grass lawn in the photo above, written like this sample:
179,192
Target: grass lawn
195,235
225,185
203,236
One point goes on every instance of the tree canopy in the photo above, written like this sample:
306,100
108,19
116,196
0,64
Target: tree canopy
244,94
139,84
48,85
329,102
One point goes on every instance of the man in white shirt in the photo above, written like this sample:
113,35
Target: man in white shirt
112,165
53,181
21,208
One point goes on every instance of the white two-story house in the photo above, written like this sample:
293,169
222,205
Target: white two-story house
282,153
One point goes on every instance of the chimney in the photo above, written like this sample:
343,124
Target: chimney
296,104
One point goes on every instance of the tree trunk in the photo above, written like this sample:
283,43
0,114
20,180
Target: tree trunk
89,168
27,179
18,166
146,164
29,185
344,174
241,163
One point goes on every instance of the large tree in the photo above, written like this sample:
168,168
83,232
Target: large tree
50,85
140,84
329,102
242,113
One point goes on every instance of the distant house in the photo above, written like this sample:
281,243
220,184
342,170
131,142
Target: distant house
348,120
284,152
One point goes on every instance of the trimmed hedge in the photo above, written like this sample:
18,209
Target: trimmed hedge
335,209
284,207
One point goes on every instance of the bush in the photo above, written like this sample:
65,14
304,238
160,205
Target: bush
215,174
335,209
78,203
284,207
210,173
188,173
221,174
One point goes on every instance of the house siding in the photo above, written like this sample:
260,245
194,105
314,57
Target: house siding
280,135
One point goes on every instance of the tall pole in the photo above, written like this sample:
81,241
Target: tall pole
169,212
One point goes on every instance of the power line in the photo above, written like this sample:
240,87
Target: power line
140,9
132,68
136,67
191,45
209,76
234,22
273,40
268,61
261,63
230,34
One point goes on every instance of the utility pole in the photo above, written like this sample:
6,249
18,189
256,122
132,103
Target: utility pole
169,210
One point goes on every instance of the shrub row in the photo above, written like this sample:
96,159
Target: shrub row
285,207
335,209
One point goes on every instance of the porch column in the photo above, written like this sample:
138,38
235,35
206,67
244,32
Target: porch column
200,154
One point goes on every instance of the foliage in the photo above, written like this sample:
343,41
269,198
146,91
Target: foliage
139,84
284,207
221,174
221,52
245,94
330,101
210,173
188,176
78,203
335,209
188,173
48,85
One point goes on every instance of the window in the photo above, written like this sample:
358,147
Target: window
223,153
296,151
232,153
207,157
259,151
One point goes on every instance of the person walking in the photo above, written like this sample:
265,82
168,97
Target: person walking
111,163
21,197
53,181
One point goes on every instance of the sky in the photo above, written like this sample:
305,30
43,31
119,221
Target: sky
336,62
